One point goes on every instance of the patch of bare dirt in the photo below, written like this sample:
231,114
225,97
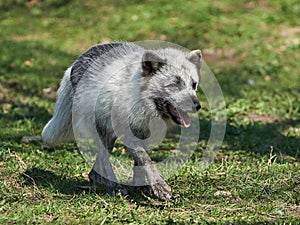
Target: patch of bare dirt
294,210
248,5
12,182
289,31
220,56
50,92
254,4
29,37
263,118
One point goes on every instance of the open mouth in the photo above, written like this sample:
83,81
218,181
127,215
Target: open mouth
178,116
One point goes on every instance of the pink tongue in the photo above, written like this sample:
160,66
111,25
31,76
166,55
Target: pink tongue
185,119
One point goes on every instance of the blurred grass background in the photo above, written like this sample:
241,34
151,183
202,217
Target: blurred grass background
252,48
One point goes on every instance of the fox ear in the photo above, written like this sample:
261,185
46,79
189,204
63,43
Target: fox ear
195,57
151,63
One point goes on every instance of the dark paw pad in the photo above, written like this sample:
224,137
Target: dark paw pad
145,189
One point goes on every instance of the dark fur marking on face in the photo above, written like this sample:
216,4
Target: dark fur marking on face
194,84
160,104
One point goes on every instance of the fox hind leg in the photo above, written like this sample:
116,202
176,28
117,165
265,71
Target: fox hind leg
102,171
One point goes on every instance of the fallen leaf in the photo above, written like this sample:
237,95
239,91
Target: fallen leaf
222,193
28,63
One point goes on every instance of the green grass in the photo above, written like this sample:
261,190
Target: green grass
251,46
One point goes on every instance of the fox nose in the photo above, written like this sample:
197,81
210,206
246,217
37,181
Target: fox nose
196,104
198,107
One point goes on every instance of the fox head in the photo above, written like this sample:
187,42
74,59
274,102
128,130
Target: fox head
172,80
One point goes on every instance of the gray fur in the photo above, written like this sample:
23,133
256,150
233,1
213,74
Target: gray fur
124,78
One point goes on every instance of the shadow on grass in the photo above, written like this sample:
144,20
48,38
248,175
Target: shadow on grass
48,179
260,138
27,111
70,186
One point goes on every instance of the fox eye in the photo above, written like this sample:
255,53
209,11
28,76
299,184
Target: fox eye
194,85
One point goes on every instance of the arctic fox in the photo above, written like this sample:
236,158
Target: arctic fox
139,85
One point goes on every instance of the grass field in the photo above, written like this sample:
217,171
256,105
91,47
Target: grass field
253,48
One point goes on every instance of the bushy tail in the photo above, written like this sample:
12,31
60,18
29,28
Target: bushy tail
59,128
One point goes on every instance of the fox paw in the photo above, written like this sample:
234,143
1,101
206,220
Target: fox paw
96,178
112,187
161,190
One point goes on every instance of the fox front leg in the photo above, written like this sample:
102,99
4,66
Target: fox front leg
144,168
